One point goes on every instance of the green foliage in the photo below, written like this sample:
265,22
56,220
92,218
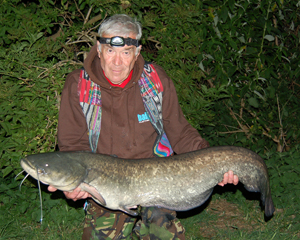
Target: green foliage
284,172
235,65
20,214
252,47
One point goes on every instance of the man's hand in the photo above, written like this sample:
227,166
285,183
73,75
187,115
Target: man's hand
75,195
229,177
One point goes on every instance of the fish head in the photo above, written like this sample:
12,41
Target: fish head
57,169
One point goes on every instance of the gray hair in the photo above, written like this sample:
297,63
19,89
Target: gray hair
121,25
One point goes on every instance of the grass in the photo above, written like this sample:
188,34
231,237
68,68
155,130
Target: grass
239,218
20,215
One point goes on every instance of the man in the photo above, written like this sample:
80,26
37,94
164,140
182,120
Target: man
120,105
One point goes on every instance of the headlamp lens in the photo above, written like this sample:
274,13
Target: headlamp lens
117,42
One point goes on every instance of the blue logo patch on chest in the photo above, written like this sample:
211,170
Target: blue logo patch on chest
143,118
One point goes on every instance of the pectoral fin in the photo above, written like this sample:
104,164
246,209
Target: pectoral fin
129,211
94,192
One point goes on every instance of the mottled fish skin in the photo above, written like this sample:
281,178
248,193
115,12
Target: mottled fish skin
179,182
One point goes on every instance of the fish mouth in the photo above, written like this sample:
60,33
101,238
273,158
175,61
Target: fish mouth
46,177
28,166
31,169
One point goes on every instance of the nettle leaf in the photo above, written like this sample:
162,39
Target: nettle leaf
253,102
23,207
7,171
201,66
270,38
231,5
232,44
7,127
224,13
271,92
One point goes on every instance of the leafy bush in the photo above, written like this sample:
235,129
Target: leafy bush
235,65
251,47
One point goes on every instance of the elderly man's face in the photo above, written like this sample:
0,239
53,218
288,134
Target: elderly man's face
117,62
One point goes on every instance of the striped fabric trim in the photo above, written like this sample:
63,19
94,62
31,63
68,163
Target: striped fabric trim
163,148
90,102
151,92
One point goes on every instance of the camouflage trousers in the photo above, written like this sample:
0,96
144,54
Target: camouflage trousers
152,223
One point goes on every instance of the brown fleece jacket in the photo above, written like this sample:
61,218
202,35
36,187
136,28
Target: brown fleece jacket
121,132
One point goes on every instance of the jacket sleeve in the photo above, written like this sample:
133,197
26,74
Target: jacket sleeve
72,128
182,136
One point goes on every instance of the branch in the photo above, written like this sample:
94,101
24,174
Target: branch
59,64
246,129
79,10
96,19
88,15
56,35
157,43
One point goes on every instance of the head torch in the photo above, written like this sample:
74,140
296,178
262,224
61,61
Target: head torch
119,41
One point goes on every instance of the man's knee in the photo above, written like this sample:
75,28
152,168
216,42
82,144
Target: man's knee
158,216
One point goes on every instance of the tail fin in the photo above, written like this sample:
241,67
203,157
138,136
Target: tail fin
269,206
